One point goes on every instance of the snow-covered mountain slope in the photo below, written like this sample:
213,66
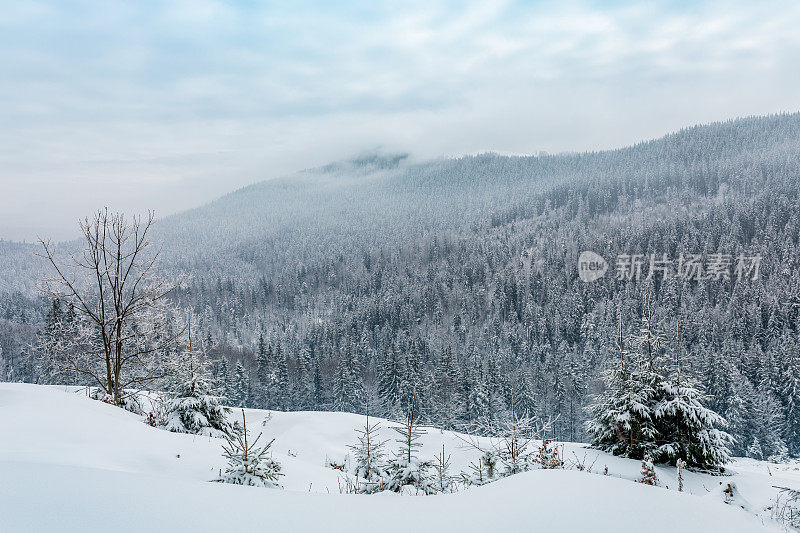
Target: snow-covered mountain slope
68,463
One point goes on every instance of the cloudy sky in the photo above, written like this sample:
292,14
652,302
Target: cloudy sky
167,105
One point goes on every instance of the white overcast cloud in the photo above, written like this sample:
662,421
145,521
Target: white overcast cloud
168,105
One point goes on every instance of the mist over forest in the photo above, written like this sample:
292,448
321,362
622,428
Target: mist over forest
457,278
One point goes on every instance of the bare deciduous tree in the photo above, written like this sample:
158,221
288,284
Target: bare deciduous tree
124,320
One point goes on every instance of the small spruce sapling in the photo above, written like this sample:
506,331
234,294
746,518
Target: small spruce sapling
441,464
369,458
404,470
249,464
195,408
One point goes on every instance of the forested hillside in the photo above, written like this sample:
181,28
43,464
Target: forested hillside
456,281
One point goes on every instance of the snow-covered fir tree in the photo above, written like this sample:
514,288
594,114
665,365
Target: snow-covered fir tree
263,373
390,377
348,394
194,407
279,392
644,412
620,410
764,427
303,390
404,471
248,463
241,386
688,431
369,458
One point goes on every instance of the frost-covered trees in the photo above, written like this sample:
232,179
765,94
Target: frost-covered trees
689,431
279,390
390,377
194,407
348,394
475,256
248,463
55,347
263,374
763,427
123,328
645,412
369,457
620,411
241,386
404,469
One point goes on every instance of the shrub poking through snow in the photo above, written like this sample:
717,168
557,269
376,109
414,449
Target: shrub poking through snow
549,456
510,449
482,471
648,472
155,417
249,464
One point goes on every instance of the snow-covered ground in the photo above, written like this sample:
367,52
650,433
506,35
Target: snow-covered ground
69,463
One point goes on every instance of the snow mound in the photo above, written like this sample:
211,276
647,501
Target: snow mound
68,463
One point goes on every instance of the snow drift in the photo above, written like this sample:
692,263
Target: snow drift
68,463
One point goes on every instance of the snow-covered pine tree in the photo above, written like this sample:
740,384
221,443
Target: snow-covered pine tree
320,397
446,390
646,382
370,464
279,392
48,367
194,407
348,393
411,376
241,386
222,377
687,429
390,375
404,469
304,385
619,412
477,406
229,390
643,413
263,376
764,426
249,464
754,450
